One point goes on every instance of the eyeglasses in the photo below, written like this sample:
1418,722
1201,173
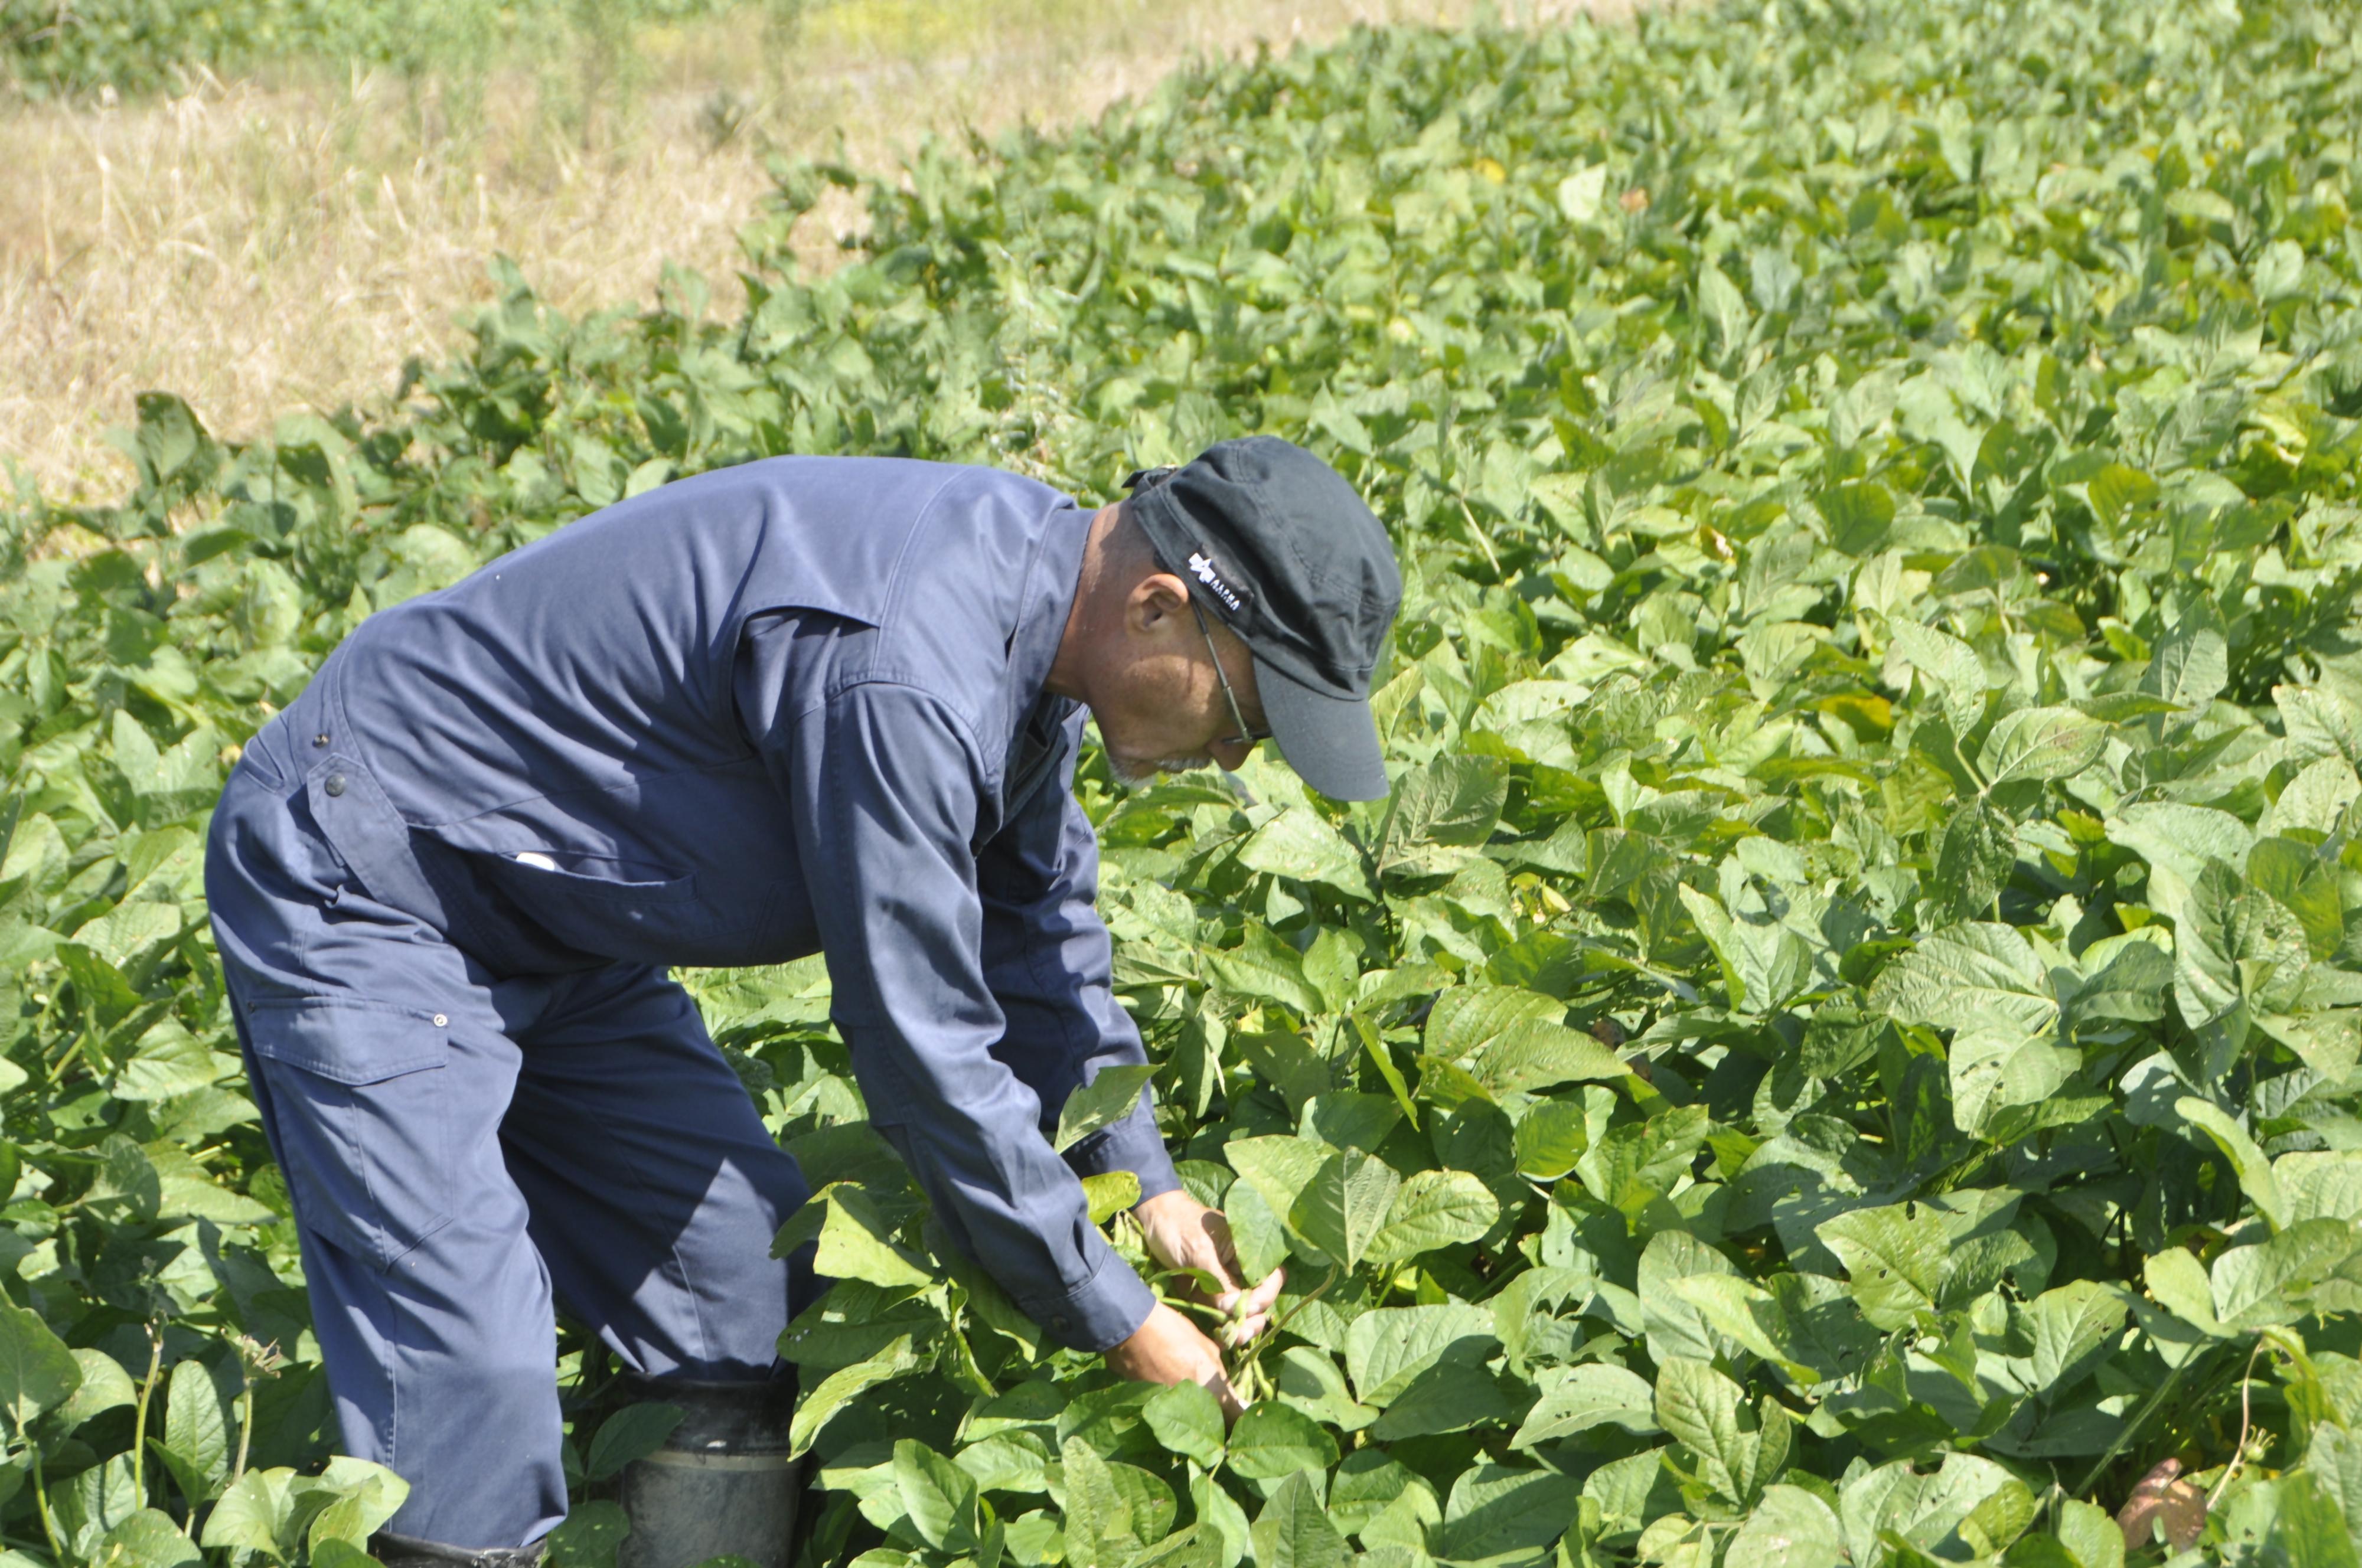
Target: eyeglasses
1245,736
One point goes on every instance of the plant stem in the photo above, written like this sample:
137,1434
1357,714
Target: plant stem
2132,1429
2247,1423
245,1422
1272,1333
42,1499
140,1422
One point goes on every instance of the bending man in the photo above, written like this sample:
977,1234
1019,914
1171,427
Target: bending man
808,704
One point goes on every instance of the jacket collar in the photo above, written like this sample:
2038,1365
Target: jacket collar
1044,603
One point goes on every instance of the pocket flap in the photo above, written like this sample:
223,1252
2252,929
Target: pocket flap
349,1041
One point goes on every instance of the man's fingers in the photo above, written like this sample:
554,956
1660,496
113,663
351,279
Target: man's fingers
1231,1408
1217,1226
1250,1310
1262,1297
1244,1330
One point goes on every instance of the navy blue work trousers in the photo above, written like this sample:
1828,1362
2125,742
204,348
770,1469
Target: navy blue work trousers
467,1151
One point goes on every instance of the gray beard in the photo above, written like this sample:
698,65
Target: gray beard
1138,775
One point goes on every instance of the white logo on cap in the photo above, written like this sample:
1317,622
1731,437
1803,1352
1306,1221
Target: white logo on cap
1205,572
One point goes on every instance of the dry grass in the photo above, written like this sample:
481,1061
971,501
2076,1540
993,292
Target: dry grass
267,246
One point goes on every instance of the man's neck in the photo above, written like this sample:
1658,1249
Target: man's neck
1070,669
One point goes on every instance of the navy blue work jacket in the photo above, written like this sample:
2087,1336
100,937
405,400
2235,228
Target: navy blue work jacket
793,707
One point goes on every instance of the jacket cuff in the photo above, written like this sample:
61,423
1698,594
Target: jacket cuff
1131,1144
1100,1312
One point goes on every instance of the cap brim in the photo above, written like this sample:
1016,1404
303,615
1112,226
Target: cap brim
1331,742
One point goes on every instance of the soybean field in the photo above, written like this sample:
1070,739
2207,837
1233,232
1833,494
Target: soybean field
1841,1047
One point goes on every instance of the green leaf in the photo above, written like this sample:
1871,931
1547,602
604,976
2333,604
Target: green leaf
1453,800
1587,1397
2091,1535
1975,857
1347,1204
1262,969
1762,963
1582,194
37,1372
105,1386
251,1513
1503,1515
1187,1420
1638,1163
1255,1231
591,1535
1466,1019
2069,1326
2260,1287
1924,1511
1529,1057
1107,1100
2040,744
1550,1137
938,1498
1968,976
839,1388
1386,1349
148,1539
1294,1531
2190,666
2291,1524
1109,1193
2254,1172
1099,1527
199,1427
1705,1411
1273,1441
88,1507
1220,1514
1790,1528
1351,1121
1298,844
630,1435
1745,1314
2116,490
1452,1395
1952,668
362,1497
855,1242
1893,1259
1279,1169
1995,1071
1382,1060
1432,1210
2179,1282
2295,878
2182,838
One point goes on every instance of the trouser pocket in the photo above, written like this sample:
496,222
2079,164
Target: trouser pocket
358,1117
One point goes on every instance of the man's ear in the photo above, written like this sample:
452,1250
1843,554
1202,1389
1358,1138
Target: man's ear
1154,602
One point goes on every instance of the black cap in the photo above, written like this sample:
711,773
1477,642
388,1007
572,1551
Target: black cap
1286,554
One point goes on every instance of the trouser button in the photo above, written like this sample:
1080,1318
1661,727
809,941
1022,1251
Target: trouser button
336,784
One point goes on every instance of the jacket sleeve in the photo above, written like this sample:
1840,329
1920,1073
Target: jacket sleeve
1050,963
882,782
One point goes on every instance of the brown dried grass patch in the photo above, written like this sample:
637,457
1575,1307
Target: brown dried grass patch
280,243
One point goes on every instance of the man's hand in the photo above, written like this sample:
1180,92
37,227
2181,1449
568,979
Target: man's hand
1182,1232
1168,1349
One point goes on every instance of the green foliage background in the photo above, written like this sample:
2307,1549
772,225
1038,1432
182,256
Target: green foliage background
1841,1047
48,47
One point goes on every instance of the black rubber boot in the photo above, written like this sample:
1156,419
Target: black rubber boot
722,1483
409,1552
